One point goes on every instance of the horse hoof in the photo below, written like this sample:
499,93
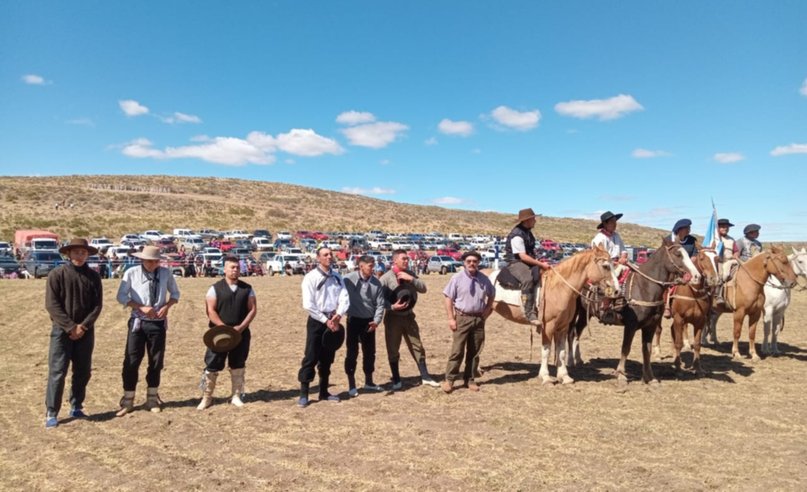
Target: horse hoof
567,380
755,358
736,356
548,380
654,383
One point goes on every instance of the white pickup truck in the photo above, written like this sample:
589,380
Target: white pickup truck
277,265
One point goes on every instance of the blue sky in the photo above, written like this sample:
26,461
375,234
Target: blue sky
572,108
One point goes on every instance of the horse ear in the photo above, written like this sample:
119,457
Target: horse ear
665,240
776,249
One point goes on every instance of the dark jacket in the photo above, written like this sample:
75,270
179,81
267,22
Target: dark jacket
529,243
74,296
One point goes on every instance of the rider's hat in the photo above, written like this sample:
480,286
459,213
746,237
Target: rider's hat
606,217
681,224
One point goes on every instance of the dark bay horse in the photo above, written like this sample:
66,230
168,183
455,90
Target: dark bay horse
643,290
690,305
747,298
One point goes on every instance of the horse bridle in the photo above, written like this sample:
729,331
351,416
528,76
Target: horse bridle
801,273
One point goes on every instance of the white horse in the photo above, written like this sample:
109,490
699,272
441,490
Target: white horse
777,298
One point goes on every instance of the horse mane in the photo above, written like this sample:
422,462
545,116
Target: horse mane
571,264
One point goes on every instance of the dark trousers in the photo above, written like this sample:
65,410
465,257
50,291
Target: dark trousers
214,361
357,334
61,354
316,355
467,343
149,338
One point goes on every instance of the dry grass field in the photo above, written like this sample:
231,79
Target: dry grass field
114,205
742,427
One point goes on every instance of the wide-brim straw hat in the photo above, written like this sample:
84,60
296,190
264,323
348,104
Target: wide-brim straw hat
149,253
78,243
525,214
222,338
606,217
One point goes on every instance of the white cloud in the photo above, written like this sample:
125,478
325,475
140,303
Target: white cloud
355,117
516,120
448,200
649,154
257,148
81,121
132,107
306,143
430,141
375,135
793,148
376,190
33,79
178,117
384,162
728,157
603,109
803,89
461,128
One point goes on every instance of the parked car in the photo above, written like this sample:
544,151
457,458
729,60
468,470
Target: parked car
5,248
209,234
40,263
236,234
245,244
211,250
284,235
193,243
442,264
262,233
100,243
166,245
134,243
226,245
452,252
278,264
9,265
240,252
130,237
119,251
282,244
262,243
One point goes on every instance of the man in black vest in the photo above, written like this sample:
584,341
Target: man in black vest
230,302
519,253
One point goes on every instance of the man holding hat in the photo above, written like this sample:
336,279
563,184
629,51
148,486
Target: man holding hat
231,307
326,301
73,299
401,289
750,246
146,289
519,253
469,299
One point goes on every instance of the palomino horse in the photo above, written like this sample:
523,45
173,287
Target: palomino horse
691,305
560,288
644,289
777,298
747,298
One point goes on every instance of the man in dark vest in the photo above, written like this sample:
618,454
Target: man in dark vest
519,253
232,303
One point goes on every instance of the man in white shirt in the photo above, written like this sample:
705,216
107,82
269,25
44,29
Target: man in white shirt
326,300
610,241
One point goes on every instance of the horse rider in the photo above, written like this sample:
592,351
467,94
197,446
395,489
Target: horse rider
519,253
729,258
610,241
750,246
681,235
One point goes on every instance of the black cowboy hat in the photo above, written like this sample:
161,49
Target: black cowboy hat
751,228
78,243
471,253
403,293
681,224
332,340
606,217
724,222
222,338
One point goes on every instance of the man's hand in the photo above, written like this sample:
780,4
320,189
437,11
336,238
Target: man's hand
239,328
544,265
487,312
148,311
162,312
404,276
452,324
371,326
77,332
400,305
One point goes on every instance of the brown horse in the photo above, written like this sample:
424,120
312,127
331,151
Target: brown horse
691,305
747,296
560,288
644,289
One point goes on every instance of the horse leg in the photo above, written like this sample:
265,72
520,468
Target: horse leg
582,322
562,347
710,334
739,316
778,326
546,345
571,342
767,324
677,329
627,340
657,341
696,349
647,344
753,319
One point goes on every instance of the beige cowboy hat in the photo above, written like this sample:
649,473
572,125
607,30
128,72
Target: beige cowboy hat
149,253
222,338
78,243
525,214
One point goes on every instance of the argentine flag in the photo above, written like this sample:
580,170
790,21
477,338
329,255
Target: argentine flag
712,239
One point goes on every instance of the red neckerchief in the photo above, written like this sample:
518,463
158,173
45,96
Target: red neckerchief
607,234
396,270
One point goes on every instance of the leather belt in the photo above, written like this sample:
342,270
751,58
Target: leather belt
471,315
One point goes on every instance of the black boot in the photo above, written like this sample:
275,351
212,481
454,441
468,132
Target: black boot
323,390
303,401
396,375
425,378
528,304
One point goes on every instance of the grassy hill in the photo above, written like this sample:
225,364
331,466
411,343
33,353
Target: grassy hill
113,205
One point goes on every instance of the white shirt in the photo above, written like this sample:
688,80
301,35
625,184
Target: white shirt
517,245
613,245
323,294
134,286
211,292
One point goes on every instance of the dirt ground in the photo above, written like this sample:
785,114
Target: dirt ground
743,426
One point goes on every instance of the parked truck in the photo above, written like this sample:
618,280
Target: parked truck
36,240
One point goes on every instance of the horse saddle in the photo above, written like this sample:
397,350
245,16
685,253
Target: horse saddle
507,280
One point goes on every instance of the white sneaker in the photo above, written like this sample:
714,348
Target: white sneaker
353,392
397,386
430,382
373,387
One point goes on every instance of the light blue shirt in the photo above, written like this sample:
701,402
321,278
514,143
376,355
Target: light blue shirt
135,287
